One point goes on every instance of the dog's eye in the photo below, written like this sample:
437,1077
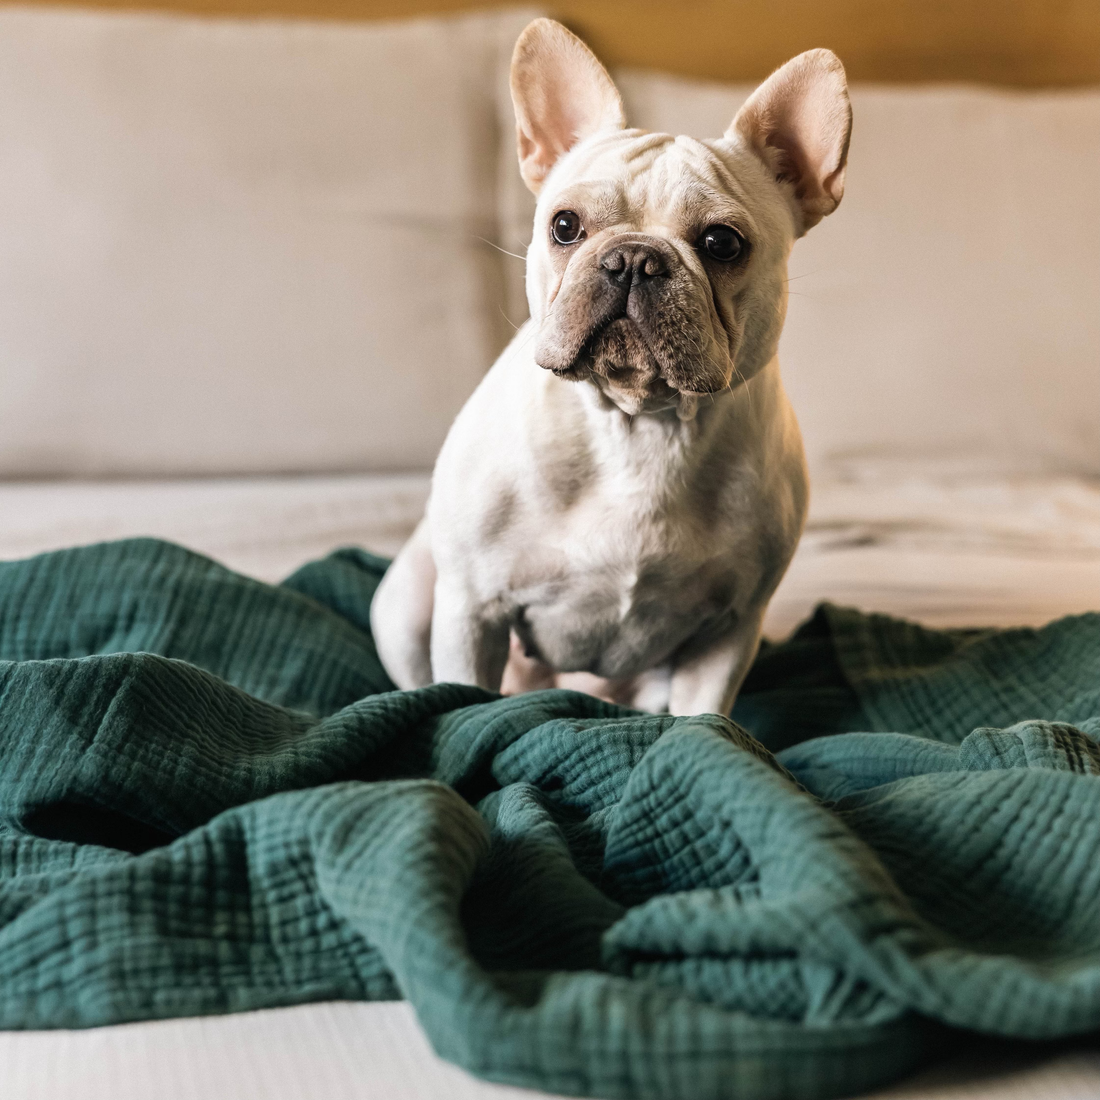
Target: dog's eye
566,227
721,242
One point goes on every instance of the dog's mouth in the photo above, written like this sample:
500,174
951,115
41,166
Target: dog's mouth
615,347
616,354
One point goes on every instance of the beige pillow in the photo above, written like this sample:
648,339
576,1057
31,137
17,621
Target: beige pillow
246,246
948,313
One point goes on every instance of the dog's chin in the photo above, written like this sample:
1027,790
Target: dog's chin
654,397
619,363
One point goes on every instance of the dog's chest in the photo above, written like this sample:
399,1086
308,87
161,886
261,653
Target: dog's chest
615,585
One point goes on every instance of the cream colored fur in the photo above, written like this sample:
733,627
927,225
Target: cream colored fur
618,521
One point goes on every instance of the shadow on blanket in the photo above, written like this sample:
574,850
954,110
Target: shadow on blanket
573,896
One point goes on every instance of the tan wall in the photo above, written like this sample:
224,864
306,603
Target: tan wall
1029,43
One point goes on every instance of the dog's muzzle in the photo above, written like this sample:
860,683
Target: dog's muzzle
626,280
631,313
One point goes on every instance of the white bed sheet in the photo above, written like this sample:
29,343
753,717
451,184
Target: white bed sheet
947,551
344,1051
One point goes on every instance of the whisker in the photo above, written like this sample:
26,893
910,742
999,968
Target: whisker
514,255
745,384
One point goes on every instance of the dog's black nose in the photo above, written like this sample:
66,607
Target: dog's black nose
632,262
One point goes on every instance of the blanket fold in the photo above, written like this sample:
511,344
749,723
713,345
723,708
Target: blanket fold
212,800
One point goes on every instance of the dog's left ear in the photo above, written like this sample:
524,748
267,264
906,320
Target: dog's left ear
799,122
561,94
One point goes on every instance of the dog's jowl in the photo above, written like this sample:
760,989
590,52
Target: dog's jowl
618,500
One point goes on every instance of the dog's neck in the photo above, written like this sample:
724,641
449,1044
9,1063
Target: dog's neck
664,450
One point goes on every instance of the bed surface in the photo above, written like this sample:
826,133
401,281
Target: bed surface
946,550
344,1051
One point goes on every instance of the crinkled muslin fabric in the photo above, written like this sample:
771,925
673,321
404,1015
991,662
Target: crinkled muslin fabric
211,800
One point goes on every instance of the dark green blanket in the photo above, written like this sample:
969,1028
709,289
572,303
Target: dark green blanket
211,800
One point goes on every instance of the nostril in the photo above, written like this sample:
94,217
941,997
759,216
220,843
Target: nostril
613,262
633,264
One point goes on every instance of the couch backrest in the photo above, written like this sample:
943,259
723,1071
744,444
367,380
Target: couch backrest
245,246
261,246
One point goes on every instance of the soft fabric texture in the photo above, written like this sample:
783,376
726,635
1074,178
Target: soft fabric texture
990,551
376,1050
298,217
210,802
294,215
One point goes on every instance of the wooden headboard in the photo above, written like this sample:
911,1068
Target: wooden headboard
1024,43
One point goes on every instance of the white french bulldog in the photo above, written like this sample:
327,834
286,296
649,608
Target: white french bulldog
616,503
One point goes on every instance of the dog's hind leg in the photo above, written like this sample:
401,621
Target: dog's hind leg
401,613
708,681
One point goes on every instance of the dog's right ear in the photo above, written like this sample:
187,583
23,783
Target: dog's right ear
561,94
799,122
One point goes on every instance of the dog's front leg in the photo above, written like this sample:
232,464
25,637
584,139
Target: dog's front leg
469,644
707,682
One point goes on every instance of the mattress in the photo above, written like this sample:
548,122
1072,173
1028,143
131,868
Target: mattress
343,1051
945,550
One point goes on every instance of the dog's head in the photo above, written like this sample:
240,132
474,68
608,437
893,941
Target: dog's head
657,269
